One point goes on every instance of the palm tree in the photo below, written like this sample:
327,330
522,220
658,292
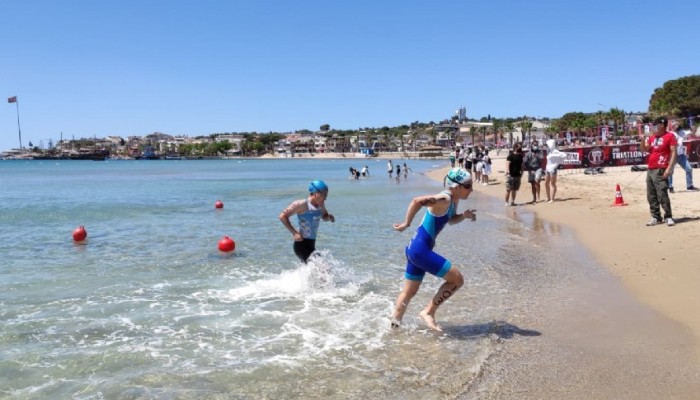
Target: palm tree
526,126
618,116
510,127
472,132
497,125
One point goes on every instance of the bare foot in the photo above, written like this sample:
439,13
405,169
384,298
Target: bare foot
430,321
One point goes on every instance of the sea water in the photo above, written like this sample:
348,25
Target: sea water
148,307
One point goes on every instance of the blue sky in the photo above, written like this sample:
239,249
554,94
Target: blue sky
107,67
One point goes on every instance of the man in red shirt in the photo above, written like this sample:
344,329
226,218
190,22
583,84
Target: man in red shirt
662,148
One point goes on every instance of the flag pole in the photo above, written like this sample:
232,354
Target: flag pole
13,99
19,129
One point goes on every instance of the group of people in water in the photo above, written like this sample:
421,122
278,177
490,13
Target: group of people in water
355,174
390,170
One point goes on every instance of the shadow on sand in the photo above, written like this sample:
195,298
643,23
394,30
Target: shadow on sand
685,219
502,329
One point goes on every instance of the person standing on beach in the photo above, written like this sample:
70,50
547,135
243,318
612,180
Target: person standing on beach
514,172
420,257
682,161
554,159
310,212
661,146
533,165
486,168
389,168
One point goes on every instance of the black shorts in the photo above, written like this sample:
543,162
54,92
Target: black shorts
304,249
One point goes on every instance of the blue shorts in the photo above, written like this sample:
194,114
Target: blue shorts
420,258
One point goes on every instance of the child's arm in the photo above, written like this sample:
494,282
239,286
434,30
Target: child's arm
294,208
326,216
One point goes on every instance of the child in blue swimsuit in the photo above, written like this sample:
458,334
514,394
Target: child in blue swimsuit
310,212
441,209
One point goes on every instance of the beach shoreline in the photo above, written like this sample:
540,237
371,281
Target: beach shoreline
656,264
627,326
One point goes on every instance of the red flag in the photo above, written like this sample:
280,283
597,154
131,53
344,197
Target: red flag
12,99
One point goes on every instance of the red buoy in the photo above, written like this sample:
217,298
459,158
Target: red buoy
79,234
219,204
227,244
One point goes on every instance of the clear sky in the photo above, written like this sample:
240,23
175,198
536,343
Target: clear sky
88,68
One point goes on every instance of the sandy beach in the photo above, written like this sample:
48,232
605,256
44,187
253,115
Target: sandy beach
654,267
657,264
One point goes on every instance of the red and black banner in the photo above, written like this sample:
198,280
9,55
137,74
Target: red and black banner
619,155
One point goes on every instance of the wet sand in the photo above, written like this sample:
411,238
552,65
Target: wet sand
625,327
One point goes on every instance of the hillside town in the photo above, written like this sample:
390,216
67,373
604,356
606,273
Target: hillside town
417,140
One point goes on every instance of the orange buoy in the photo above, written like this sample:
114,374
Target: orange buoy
219,204
79,234
226,244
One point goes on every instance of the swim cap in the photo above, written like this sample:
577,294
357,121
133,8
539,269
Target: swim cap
457,176
318,186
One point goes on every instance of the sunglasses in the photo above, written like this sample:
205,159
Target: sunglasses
467,186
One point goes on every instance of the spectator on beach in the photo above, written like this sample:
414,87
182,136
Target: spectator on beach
460,157
661,146
486,168
452,159
479,163
468,159
533,166
514,172
473,160
420,257
554,158
310,212
389,168
365,171
682,161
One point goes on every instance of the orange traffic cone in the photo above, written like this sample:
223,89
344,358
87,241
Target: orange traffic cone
618,197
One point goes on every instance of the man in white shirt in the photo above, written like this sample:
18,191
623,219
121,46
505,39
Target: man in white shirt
682,161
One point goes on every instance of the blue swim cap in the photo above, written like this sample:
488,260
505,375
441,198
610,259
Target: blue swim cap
318,186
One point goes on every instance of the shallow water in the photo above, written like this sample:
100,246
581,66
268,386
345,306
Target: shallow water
149,308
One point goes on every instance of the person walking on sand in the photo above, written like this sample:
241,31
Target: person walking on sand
682,161
554,159
420,257
661,146
533,165
514,172
310,212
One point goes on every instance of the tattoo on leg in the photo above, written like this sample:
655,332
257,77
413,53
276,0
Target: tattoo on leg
445,295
